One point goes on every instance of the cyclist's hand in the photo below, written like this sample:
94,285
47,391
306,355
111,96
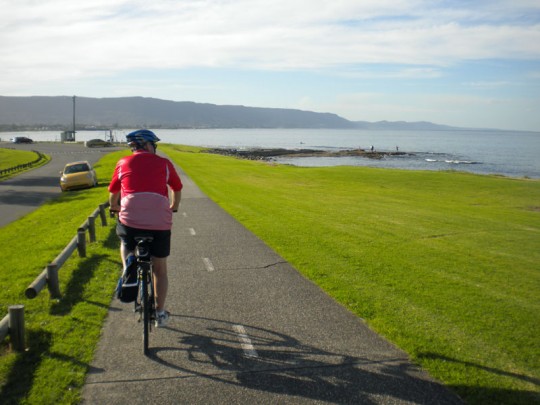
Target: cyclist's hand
114,210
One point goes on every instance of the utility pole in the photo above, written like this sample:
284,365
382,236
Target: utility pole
73,117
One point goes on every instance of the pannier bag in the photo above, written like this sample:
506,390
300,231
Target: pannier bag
128,284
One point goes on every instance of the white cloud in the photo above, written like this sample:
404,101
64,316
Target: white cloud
47,47
99,37
488,84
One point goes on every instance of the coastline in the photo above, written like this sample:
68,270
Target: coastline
509,154
269,153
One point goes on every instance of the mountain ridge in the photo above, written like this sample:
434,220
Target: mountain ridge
56,112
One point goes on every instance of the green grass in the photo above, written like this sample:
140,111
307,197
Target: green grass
12,157
444,264
61,334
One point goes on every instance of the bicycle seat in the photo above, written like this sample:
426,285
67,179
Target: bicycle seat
143,238
142,250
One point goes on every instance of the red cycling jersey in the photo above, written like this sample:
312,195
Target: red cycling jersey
142,180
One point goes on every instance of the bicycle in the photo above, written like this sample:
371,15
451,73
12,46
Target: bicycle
145,301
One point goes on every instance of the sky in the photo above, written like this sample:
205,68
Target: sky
466,63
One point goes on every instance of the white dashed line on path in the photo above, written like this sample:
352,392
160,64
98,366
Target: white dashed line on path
192,231
208,264
245,341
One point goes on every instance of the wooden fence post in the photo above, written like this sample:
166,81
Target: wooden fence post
92,228
49,276
102,214
81,242
52,281
16,327
4,327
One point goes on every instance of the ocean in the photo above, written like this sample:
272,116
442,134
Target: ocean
507,153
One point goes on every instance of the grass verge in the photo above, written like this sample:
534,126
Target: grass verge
12,157
444,264
61,334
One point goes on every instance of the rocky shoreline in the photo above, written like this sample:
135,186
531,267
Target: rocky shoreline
269,154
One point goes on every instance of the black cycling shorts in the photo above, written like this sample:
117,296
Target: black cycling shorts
159,247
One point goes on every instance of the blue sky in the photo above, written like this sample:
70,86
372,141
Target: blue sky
463,63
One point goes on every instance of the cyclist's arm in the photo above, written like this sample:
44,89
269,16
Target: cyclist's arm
175,202
114,202
115,190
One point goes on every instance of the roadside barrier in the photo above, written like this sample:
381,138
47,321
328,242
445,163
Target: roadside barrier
17,168
13,323
49,276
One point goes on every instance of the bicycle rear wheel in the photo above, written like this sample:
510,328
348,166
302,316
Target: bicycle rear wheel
146,307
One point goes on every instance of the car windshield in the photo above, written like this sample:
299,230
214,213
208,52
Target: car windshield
83,167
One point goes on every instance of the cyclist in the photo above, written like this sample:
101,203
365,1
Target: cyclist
139,192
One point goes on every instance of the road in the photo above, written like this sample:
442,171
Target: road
25,192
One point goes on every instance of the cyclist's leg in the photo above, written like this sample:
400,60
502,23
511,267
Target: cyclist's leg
124,252
160,248
161,281
127,243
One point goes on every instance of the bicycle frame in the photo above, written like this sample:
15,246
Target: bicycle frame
145,301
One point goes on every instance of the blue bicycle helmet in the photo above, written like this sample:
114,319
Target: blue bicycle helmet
140,137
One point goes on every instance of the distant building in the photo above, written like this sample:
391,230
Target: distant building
67,136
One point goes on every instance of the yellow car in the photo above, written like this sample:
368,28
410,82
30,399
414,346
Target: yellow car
78,175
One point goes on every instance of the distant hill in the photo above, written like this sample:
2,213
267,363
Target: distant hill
402,125
41,112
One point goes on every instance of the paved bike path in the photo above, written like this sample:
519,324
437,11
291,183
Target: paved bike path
247,328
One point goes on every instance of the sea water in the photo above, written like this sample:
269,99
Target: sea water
508,153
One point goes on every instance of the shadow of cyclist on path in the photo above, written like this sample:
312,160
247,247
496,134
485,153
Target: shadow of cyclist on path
284,365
